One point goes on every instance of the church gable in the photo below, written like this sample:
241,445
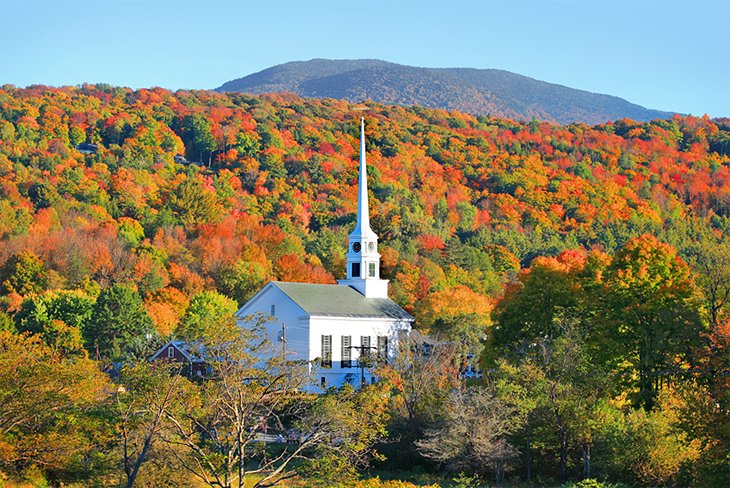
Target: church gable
270,295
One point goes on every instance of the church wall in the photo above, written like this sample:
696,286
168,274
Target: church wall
355,328
285,312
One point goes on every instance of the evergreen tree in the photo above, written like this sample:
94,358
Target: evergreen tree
117,320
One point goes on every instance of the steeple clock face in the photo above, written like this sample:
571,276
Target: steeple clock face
371,246
356,247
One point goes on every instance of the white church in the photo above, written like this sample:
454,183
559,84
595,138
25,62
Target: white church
339,329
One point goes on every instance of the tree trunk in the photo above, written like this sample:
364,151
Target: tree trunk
142,456
528,451
586,461
241,471
563,439
499,474
563,454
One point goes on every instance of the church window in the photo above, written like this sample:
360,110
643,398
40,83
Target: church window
364,348
382,347
346,351
170,352
355,270
371,270
273,310
323,382
326,351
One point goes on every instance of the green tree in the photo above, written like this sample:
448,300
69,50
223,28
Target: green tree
207,314
543,353
344,439
197,136
6,323
248,144
529,307
118,320
72,307
710,259
25,274
43,195
515,385
193,204
655,448
242,279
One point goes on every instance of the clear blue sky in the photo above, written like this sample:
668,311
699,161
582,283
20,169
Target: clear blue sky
662,54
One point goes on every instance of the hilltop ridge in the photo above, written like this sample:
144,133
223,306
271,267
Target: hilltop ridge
475,91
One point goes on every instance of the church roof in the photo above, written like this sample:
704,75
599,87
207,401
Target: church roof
340,301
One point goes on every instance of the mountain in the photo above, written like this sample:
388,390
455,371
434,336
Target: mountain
475,91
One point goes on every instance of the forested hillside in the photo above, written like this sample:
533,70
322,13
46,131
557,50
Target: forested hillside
458,201
475,91
493,233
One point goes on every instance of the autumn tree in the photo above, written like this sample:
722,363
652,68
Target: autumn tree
472,437
421,377
52,410
237,405
24,274
147,396
653,311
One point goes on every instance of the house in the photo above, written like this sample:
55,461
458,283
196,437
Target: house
180,159
342,329
86,148
180,352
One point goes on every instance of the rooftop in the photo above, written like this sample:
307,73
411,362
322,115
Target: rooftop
340,301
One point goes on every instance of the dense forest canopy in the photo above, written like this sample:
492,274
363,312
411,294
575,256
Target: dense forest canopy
459,202
128,216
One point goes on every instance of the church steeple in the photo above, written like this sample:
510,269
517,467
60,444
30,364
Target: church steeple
362,228
363,259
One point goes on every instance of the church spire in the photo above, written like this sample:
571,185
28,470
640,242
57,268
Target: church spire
363,259
362,228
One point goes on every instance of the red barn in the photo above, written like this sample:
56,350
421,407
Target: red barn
179,352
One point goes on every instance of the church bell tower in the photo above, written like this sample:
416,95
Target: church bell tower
363,259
